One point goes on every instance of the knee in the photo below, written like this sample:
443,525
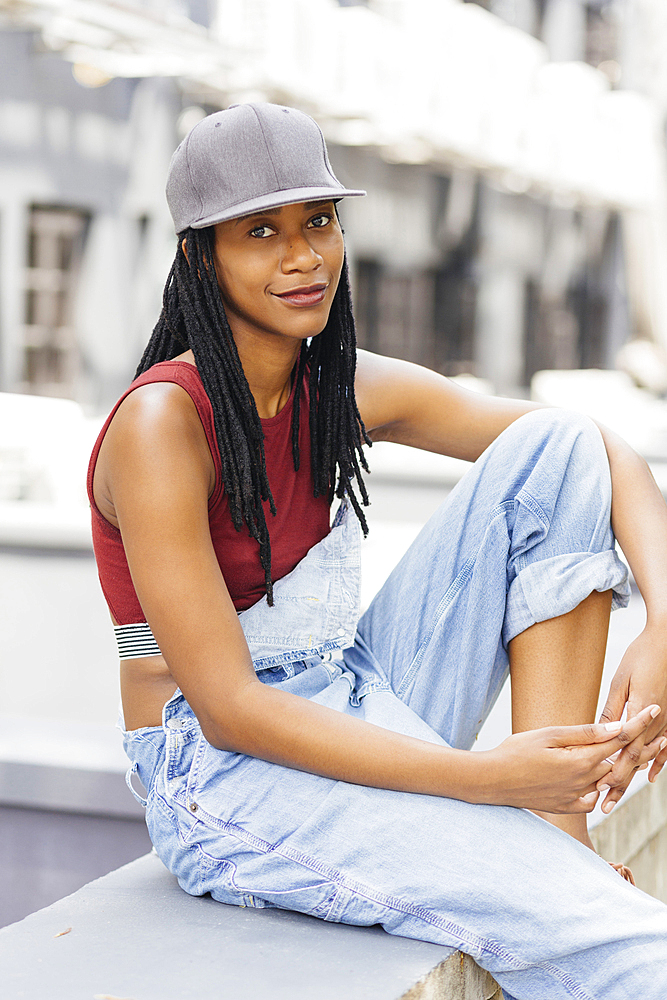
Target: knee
566,427
552,419
557,446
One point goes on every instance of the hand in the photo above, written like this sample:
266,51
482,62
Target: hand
556,770
640,680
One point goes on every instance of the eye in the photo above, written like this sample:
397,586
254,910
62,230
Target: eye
261,232
320,221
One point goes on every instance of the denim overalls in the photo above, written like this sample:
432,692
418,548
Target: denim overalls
524,537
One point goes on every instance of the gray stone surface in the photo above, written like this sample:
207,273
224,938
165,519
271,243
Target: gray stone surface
135,935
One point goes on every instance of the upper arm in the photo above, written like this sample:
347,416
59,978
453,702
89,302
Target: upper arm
408,404
156,469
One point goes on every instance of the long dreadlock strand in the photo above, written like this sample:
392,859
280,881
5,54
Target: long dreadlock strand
296,405
337,430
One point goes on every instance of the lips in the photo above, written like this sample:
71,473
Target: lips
306,295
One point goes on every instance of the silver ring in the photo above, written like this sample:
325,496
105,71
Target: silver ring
612,762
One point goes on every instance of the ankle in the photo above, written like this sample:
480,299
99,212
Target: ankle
576,824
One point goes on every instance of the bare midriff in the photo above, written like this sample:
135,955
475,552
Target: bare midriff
145,687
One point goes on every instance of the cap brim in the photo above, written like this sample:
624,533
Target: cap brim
276,200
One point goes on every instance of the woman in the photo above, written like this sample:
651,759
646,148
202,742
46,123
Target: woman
294,756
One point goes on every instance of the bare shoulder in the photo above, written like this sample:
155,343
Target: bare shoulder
155,438
157,408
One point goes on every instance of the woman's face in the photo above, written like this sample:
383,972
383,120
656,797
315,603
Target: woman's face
278,270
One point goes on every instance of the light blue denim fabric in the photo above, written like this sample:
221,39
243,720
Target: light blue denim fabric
316,605
524,537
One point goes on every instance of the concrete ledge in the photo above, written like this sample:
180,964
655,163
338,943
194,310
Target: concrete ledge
136,934
457,978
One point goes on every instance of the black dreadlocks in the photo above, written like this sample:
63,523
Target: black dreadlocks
193,317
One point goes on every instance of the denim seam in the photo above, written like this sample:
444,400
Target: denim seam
333,875
211,863
338,903
369,687
195,766
458,933
277,659
427,916
533,506
349,887
450,594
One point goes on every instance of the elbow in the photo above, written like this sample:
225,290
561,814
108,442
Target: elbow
233,724
224,734
219,739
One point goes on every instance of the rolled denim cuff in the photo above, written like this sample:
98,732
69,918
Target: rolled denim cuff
554,586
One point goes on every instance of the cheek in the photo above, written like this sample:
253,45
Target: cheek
240,287
336,256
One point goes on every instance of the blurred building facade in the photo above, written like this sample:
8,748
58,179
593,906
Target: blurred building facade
509,176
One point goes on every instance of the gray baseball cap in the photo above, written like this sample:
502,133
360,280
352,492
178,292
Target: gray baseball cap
246,159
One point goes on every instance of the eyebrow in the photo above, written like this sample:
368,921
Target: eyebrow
275,211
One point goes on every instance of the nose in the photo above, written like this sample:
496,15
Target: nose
300,255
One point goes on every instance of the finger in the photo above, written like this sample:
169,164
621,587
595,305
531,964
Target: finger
656,725
627,762
613,709
613,797
615,735
659,762
648,752
586,803
636,756
652,749
615,783
615,793
632,729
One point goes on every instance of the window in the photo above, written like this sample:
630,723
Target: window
50,357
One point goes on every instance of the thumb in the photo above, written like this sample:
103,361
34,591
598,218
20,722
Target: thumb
619,734
615,703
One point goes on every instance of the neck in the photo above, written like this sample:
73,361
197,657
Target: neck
268,368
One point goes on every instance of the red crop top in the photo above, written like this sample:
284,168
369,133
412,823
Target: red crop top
301,520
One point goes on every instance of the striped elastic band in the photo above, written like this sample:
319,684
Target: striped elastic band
135,641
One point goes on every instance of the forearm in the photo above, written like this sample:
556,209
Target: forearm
295,732
549,769
639,520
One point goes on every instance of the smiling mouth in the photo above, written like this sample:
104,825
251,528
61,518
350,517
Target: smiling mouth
310,295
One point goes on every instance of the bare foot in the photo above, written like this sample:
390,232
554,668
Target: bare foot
624,872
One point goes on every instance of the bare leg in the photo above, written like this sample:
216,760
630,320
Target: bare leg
556,668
